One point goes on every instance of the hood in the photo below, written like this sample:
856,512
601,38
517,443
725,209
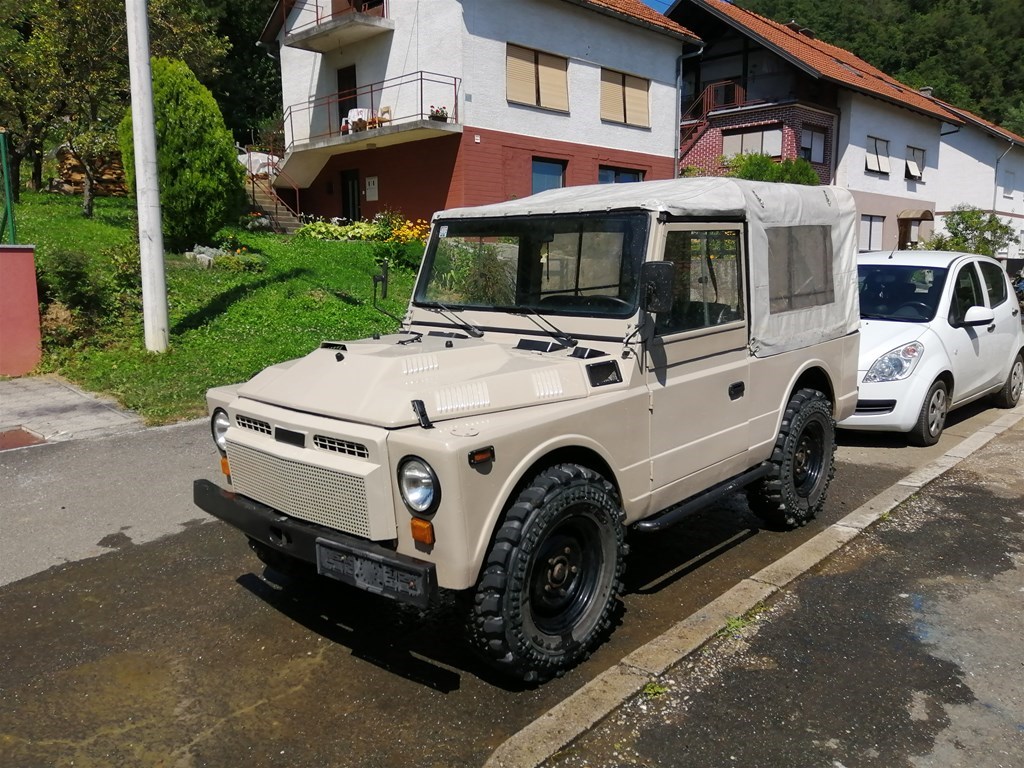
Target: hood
375,381
880,336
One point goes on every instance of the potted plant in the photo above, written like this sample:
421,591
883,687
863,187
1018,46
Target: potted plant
439,113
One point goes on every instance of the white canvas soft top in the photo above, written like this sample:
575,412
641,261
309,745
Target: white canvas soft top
764,206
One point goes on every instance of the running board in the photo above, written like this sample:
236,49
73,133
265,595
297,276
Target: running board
694,504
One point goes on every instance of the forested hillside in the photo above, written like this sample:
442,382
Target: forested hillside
970,51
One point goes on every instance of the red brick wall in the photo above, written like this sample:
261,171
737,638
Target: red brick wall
706,153
476,167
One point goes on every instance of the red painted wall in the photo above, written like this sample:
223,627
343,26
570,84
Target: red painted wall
476,167
20,343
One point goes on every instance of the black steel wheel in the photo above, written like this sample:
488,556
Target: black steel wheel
552,577
801,466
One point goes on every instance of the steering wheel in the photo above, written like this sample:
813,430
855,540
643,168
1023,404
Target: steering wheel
920,307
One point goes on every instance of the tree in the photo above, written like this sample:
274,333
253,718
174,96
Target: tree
64,71
201,180
764,168
972,230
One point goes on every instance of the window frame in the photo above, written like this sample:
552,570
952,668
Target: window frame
616,170
544,75
876,155
749,133
915,164
563,164
615,103
812,132
871,220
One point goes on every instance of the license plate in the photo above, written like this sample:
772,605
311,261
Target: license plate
372,572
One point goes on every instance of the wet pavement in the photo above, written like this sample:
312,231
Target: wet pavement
903,649
134,631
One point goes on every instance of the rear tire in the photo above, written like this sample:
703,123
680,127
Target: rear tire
552,577
1008,396
932,418
801,466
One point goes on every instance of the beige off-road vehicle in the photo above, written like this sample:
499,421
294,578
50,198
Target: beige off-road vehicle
571,364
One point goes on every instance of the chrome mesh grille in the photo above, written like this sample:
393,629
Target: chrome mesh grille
256,425
315,494
340,446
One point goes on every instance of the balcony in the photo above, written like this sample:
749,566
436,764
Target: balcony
324,26
394,111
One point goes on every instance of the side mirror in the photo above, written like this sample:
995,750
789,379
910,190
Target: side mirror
656,281
978,316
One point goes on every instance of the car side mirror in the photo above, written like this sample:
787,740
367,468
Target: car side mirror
656,281
978,316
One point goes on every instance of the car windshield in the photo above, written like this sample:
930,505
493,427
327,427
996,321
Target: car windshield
586,264
901,292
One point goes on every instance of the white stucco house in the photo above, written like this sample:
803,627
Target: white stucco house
908,157
418,106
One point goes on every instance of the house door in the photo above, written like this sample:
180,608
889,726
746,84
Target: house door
346,91
698,369
350,208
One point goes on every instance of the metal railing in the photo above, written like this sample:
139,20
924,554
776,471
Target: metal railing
406,98
324,11
264,172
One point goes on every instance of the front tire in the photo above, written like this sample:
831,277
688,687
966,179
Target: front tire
801,466
1008,396
932,418
552,577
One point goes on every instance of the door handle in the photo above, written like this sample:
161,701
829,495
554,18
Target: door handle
991,328
736,390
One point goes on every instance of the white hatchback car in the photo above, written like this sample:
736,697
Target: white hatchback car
938,330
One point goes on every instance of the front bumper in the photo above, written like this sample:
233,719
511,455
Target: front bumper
360,563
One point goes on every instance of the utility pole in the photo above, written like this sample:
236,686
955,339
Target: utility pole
147,187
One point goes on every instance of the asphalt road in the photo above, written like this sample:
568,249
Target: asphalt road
135,632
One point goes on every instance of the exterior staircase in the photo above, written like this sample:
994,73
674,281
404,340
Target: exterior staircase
262,197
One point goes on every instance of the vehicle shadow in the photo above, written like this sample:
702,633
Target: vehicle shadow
859,439
426,647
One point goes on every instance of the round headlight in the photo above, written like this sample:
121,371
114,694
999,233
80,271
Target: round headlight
219,424
418,483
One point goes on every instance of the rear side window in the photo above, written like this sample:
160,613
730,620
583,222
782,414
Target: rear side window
995,283
800,267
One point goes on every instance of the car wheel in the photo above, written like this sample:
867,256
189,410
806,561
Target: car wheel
801,466
932,417
1008,396
552,577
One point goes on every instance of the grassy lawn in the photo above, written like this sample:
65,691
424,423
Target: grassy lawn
225,325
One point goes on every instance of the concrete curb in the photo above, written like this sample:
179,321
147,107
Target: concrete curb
597,699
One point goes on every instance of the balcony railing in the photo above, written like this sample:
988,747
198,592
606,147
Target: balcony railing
326,25
404,101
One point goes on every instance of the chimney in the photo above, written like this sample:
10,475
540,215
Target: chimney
927,91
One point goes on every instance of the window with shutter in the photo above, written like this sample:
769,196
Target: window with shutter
624,99
536,78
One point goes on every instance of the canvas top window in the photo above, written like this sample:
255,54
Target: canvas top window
586,264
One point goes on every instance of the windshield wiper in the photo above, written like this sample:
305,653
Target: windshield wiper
449,313
552,329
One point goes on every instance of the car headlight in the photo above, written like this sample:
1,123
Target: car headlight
418,483
219,423
896,364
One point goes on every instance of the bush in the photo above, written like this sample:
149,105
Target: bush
764,168
201,180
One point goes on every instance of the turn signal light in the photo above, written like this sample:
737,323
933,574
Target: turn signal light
422,531
224,467
481,456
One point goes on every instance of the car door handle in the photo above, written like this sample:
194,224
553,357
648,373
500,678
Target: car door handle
991,328
736,390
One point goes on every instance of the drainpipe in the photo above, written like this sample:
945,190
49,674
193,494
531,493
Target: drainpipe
679,103
995,180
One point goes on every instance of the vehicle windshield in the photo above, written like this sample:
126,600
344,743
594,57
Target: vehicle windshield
901,292
585,264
